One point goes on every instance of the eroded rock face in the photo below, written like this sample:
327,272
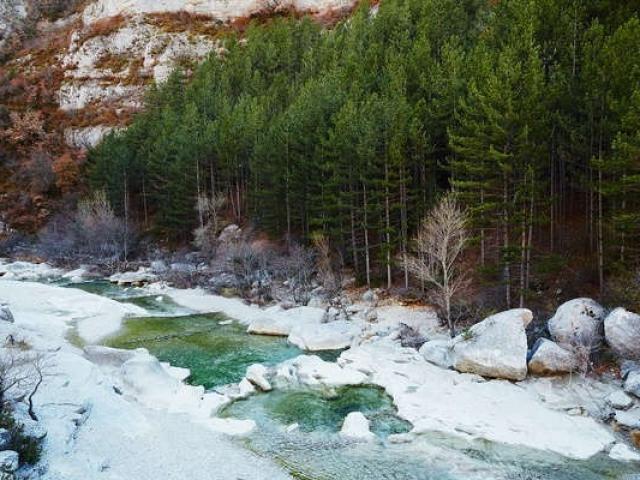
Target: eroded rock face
495,347
578,323
622,333
549,358
220,9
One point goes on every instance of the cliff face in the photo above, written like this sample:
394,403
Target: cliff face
75,70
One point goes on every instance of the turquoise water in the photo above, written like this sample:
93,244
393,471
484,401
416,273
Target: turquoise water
314,412
217,354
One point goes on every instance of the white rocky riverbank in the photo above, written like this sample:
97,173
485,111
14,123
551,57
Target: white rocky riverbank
113,417
567,415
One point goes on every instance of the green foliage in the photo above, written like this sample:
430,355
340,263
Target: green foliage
29,448
352,132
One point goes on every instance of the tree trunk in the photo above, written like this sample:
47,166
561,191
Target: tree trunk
387,215
505,241
367,256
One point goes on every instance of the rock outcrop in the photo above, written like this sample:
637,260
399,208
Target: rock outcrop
257,375
311,371
495,347
622,333
549,358
578,323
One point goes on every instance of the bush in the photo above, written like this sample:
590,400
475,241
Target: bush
94,232
29,448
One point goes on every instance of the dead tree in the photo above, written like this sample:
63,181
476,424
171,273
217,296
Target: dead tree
438,245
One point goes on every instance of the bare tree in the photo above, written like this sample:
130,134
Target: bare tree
438,244
209,217
22,373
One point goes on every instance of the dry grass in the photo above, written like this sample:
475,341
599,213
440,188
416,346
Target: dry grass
104,27
635,438
180,22
114,62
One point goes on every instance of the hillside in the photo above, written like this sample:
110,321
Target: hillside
75,71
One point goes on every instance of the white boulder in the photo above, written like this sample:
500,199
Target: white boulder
278,322
622,333
578,322
549,358
629,418
438,352
311,371
357,427
622,453
140,277
245,388
495,347
257,375
326,336
632,383
5,314
620,400
9,461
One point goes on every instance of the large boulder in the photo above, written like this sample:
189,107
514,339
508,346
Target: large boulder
578,323
280,322
326,336
495,347
5,314
622,332
356,427
549,358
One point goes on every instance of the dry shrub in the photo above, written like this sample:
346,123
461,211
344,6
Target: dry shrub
635,438
104,27
113,62
179,22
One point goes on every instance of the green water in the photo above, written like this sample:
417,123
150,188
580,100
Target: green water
216,354
314,412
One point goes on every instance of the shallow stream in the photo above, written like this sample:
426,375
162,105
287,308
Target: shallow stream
299,428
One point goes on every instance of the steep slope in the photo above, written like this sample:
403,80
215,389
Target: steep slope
83,73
